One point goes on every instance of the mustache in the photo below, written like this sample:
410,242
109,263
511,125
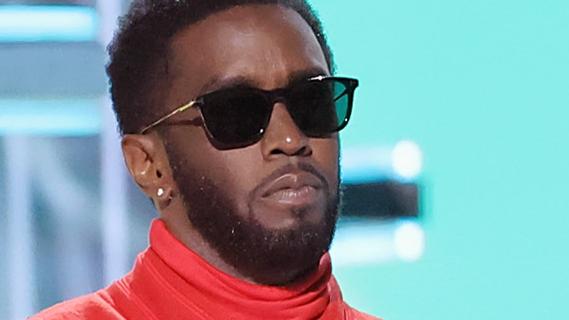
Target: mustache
289,168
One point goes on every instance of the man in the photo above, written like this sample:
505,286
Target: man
229,118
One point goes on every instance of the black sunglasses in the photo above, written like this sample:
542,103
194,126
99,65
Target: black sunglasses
238,117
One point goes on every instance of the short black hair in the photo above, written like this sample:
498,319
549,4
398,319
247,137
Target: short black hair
139,49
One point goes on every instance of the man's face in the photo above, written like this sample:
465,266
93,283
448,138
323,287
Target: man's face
273,204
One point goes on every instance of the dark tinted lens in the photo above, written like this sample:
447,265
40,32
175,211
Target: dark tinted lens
235,117
320,107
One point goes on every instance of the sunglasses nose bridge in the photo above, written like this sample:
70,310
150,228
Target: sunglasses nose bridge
283,136
276,96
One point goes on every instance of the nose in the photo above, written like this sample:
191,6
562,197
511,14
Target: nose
283,137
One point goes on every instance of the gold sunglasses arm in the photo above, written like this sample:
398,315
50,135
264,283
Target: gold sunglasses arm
167,116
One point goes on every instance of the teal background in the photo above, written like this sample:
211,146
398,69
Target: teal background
483,88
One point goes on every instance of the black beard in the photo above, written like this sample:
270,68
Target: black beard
258,253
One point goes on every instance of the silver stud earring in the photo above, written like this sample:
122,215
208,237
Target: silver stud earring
288,140
160,192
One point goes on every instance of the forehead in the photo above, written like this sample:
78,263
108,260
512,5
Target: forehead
263,44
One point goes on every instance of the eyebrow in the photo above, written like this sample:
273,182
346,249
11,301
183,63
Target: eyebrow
218,83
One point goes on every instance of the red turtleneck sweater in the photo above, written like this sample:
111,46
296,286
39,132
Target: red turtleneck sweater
171,282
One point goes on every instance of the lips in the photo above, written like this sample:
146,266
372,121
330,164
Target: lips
294,188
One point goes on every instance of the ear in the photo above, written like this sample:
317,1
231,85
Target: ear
147,163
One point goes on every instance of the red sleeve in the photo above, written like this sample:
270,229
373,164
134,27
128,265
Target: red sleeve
353,314
92,306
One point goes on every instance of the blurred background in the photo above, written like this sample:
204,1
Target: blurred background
455,164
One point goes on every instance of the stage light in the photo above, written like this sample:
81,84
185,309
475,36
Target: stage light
409,241
407,159
59,117
20,23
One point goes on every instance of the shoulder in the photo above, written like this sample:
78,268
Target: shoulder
349,312
87,307
353,314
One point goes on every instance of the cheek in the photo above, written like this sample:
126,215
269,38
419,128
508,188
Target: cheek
239,169
234,172
197,157
325,154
